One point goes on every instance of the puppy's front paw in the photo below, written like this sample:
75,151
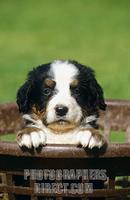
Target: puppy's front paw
91,138
84,138
96,140
31,137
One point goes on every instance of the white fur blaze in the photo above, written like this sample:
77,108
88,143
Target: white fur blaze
64,73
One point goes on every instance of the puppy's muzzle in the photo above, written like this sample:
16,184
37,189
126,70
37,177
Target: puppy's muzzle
61,110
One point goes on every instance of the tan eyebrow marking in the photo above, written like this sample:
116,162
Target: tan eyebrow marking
74,83
49,82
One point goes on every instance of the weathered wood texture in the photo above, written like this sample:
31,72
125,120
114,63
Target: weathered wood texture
115,160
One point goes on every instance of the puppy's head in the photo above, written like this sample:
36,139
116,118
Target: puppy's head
65,91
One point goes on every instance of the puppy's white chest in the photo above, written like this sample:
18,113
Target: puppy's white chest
67,138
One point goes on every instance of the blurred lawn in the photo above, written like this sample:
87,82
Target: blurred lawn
115,137
94,32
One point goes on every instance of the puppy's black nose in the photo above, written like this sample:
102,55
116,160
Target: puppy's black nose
61,110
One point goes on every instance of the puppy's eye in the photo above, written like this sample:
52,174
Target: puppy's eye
77,91
47,91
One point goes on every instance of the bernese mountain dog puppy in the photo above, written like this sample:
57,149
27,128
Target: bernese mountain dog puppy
60,103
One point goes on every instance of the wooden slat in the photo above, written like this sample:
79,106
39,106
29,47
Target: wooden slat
33,196
10,118
111,182
9,183
95,193
64,151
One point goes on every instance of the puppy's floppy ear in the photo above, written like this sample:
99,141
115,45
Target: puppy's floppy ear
23,97
96,91
92,91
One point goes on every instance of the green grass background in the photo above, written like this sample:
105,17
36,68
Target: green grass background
93,32
115,137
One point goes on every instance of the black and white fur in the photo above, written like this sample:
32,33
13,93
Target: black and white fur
82,102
